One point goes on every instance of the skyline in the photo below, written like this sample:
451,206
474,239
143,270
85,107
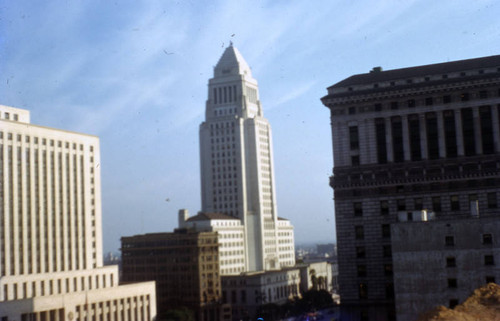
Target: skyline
136,76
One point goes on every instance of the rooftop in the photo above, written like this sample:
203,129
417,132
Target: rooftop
377,75
210,216
232,62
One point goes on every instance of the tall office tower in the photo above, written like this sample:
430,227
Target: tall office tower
50,229
237,164
406,140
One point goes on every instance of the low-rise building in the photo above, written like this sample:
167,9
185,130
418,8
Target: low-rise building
316,276
441,261
185,266
249,291
231,236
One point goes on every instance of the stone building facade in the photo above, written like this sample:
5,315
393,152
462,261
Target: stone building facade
249,291
185,266
408,139
441,262
50,229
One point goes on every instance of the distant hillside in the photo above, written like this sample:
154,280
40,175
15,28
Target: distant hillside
483,305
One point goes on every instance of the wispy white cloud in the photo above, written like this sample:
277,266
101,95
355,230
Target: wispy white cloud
292,93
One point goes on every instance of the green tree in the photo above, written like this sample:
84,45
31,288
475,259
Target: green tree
180,314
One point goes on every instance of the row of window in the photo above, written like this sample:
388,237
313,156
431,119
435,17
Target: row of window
10,136
386,251
6,115
136,308
487,239
436,204
428,101
432,135
224,94
451,261
363,272
50,287
363,290
359,231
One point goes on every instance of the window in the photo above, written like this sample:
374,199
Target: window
363,291
360,252
388,269
358,209
419,205
414,136
450,134
384,207
487,238
486,130
397,139
483,94
359,232
446,99
432,135
352,110
464,97
411,103
378,107
387,251
380,139
490,279
386,230
454,203
394,105
401,205
436,204
361,270
451,262
389,294
453,303
355,160
428,101
354,137
468,131
489,260
492,200
449,240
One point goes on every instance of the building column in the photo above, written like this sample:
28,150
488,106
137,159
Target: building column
406,138
388,140
459,131
423,136
477,131
496,128
441,134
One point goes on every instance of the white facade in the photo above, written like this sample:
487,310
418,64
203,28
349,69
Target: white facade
248,291
236,161
231,238
50,227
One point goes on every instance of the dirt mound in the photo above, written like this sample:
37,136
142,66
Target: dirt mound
483,304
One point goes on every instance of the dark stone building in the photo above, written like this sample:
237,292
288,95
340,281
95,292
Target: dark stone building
406,140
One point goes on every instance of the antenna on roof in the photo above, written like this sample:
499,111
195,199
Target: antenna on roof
230,43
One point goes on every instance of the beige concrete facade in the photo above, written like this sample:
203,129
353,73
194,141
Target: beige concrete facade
50,228
237,176
248,291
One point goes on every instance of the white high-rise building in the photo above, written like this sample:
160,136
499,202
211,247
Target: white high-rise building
237,164
50,230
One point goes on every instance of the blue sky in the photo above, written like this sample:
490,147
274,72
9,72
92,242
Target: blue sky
135,73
